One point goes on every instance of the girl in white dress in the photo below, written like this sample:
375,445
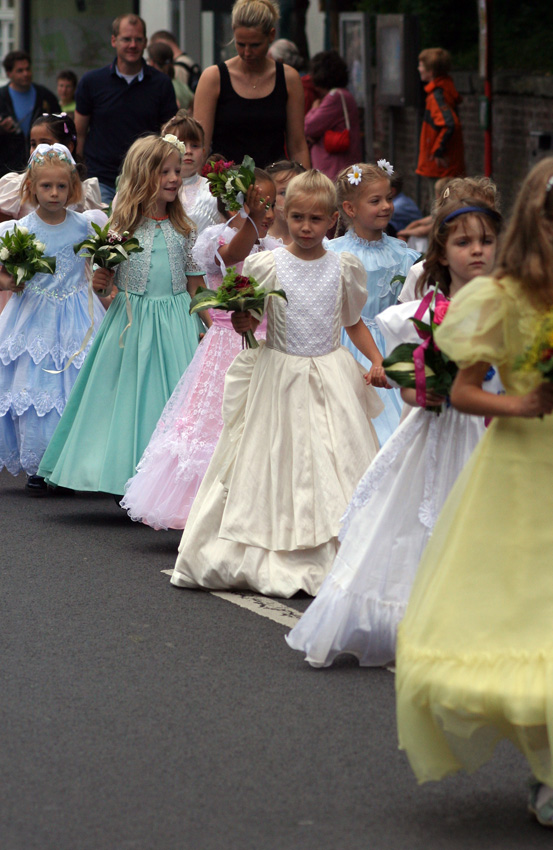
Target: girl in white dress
297,420
200,205
392,513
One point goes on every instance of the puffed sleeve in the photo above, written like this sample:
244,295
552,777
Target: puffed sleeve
192,268
10,193
354,288
97,216
395,325
207,242
7,226
92,196
408,292
474,328
262,267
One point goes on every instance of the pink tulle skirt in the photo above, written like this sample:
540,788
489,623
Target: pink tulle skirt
173,465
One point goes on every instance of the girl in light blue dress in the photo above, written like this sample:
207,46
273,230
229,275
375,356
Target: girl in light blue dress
366,206
43,328
148,337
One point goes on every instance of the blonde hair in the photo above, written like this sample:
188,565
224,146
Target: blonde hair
28,195
479,188
185,128
347,191
527,249
255,14
312,185
139,185
434,270
436,60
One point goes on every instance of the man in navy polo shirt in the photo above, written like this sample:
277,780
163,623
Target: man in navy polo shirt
119,103
21,101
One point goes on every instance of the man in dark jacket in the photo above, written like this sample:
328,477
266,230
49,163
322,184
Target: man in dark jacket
120,102
21,101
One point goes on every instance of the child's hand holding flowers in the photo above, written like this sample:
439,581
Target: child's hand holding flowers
229,181
108,248
241,296
102,281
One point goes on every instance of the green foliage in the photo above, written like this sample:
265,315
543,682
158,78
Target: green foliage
520,30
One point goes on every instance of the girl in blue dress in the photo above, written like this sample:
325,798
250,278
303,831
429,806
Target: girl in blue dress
47,322
148,337
366,206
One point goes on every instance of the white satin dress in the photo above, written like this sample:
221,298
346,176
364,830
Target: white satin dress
297,437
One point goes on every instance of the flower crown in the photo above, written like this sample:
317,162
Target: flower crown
43,153
169,137
355,175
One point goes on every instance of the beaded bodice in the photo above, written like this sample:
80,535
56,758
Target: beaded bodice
309,324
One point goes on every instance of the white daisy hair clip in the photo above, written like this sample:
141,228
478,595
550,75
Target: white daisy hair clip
355,175
175,142
386,166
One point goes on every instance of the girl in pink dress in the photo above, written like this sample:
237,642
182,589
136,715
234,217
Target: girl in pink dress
174,463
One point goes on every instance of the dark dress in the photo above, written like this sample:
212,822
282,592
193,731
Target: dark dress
254,126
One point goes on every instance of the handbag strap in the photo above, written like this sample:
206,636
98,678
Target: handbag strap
344,107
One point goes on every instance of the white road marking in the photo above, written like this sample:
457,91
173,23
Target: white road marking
262,605
265,607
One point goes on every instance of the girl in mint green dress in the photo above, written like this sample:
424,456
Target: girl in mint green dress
147,338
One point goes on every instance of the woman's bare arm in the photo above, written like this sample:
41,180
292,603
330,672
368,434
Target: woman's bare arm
205,101
295,136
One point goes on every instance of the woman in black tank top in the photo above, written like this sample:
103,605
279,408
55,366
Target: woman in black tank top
252,104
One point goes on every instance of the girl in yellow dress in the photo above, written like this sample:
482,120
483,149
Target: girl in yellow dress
475,649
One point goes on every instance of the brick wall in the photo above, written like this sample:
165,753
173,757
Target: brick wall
522,105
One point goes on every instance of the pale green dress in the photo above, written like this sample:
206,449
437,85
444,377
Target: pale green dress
120,392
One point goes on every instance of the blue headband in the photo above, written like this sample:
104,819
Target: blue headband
466,210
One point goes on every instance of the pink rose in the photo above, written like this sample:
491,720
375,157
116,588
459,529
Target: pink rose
440,310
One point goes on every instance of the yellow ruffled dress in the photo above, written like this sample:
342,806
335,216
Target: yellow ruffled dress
475,649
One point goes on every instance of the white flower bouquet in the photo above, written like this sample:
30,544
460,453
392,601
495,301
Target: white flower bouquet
22,255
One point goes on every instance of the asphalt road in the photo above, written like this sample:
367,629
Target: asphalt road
138,715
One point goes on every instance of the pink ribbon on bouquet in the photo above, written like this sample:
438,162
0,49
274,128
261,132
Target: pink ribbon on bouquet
418,353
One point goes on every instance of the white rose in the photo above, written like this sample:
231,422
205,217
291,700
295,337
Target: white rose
40,246
4,254
23,230
229,185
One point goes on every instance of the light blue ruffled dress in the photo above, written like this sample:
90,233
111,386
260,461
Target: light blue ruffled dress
40,330
383,260
121,392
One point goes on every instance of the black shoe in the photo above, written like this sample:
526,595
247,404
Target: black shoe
36,485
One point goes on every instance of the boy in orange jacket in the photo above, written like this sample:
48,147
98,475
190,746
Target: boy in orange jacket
441,152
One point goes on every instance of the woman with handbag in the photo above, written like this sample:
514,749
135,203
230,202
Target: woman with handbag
332,123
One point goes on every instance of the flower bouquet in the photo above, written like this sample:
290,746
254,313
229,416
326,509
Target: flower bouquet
538,357
22,255
229,181
239,293
423,366
108,248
